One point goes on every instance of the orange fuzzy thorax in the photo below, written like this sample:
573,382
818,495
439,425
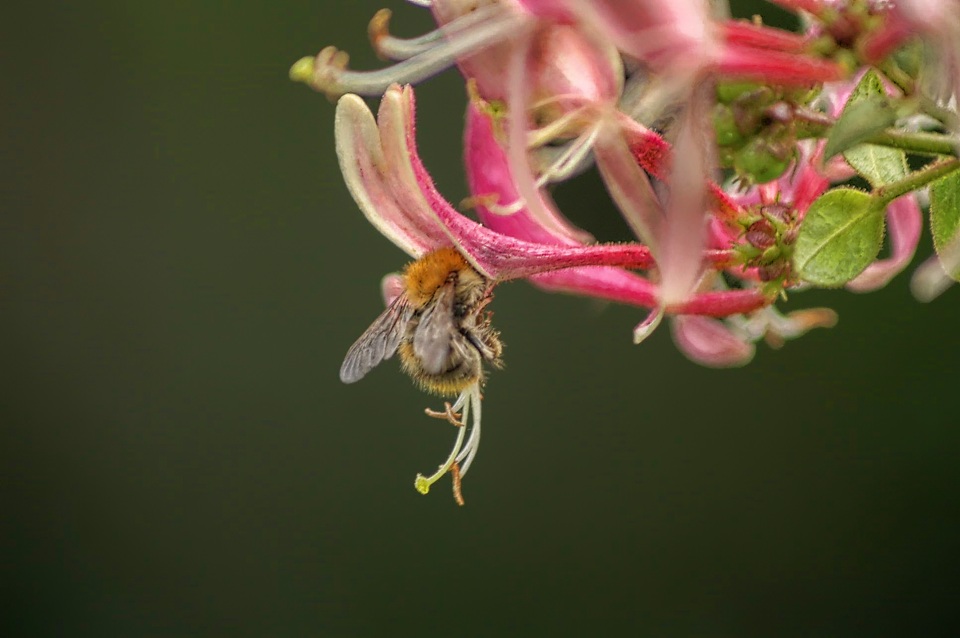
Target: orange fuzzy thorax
425,276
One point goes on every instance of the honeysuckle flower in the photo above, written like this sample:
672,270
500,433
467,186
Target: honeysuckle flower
491,182
384,174
558,63
656,96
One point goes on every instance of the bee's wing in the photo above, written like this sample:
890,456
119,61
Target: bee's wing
434,334
378,342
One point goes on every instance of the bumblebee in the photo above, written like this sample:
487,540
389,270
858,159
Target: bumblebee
437,325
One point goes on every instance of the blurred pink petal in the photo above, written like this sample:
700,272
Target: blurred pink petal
710,342
629,187
683,236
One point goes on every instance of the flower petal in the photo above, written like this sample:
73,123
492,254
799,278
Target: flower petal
393,189
683,235
629,186
518,99
489,177
365,172
710,342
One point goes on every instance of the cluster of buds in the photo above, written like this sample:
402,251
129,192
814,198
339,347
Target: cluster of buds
750,162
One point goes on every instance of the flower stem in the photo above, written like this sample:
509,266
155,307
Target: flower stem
915,181
920,143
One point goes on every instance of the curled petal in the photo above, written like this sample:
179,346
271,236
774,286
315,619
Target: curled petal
904,223
365,172
646,327
711,342
388,181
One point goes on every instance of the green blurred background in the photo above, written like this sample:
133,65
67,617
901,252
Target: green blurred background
181,272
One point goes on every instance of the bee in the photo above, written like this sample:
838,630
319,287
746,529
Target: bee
437,325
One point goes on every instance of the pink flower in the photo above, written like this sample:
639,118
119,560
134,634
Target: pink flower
383,171
493,188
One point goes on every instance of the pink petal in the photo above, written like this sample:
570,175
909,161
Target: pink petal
788,69
742,32
683,235
666,33
366,172
488,175
629,187
518,100
395,192
722,303
609,284
710,342
904,223
485,67
564,61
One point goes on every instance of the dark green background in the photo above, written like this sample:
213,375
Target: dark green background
181,272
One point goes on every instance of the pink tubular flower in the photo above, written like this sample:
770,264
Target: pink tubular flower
492,183
482,36
556,66
659,96
383,171
384,174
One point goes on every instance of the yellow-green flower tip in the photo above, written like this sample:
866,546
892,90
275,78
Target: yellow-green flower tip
302,70
422,484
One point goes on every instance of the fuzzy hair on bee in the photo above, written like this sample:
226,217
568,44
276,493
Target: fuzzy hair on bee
437,324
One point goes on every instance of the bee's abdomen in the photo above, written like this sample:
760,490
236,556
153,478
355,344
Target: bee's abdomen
461,373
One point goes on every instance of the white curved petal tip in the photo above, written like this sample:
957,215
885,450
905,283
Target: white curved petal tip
648,325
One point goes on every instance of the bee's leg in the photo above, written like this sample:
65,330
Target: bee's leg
477,342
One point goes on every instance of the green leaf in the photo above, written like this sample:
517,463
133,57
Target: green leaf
867,112
840,235
877,164
945,216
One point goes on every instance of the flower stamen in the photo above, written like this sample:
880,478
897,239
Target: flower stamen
462,454
331,76
452,417
455,476
390,47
